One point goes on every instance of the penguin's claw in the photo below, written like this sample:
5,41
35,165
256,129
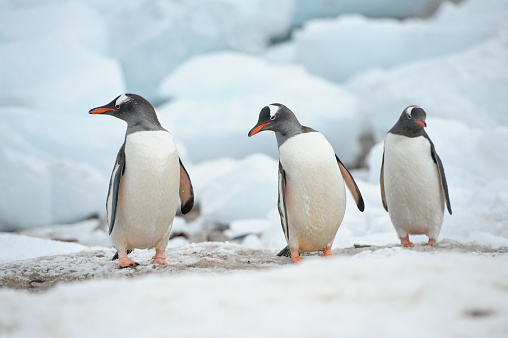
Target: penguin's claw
295,256
327,252
126,262
406,242
431,242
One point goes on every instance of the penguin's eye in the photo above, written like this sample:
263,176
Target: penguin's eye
409,116
117,106
272,117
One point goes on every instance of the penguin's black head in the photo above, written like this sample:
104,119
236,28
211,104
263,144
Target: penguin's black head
413,119
131,108
275,117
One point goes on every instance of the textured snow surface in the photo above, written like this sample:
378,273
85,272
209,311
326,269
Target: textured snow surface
386,293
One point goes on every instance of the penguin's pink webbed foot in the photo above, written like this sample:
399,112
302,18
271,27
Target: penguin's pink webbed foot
431,242
124,261
327,252
295,256
159,258
406,242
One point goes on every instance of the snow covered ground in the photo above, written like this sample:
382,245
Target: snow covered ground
223,289
347,69
217,290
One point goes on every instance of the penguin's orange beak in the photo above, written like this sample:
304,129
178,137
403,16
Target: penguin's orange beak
100,110
421,123
257,129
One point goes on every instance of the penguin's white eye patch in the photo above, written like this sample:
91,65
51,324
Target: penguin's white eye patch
409,110
121,99
273,111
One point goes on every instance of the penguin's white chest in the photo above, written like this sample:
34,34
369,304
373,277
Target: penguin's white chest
315,192
148,195
413,190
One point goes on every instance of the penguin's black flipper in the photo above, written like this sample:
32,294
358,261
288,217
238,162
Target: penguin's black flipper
186,191
115,257
114,187
285,252
351,184
382,183
282,202
440,168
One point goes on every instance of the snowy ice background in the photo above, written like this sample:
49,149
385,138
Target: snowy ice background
346,68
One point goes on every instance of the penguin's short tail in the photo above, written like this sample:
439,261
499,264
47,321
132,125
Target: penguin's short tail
115,257
285,252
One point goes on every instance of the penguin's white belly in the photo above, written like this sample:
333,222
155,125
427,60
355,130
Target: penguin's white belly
413,190
315,192
148,195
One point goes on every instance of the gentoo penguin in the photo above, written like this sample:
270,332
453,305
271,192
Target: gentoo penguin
413,181
312,197
147,179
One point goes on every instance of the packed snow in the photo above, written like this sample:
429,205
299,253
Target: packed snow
387,292
345,68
